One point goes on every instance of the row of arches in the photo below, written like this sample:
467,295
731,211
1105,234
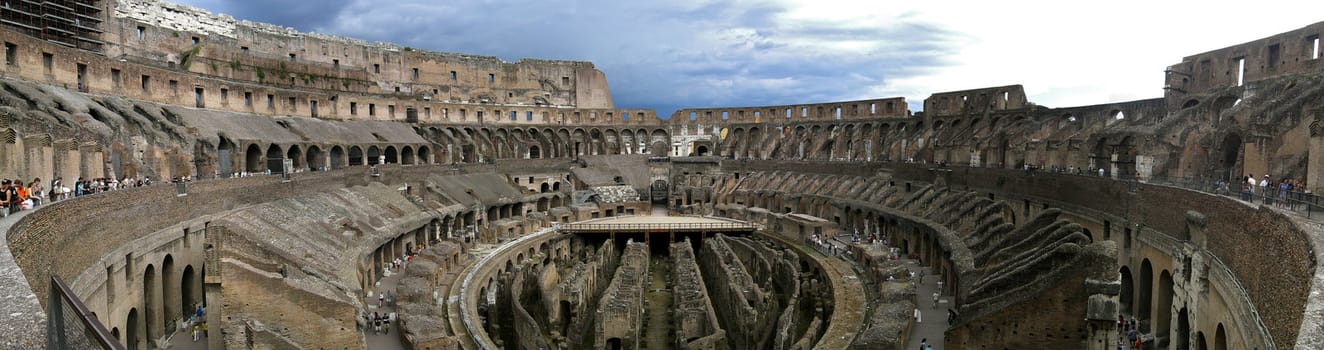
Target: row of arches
256,159
1149,299
169,293
467,144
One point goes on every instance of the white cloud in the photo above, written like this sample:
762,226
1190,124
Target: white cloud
705,53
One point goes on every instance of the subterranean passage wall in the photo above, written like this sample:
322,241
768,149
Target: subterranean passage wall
696,322
954,231
1237,235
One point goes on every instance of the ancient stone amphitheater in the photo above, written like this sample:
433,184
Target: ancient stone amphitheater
293,170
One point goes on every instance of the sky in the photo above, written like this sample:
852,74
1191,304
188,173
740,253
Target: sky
701,53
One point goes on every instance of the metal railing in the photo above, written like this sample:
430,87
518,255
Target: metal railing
1295,200
69,325
658,227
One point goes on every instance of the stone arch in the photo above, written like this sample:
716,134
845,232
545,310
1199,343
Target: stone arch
1163,309
1200,343
224,156
190,289
169,283
313,159
407,155
296,155
1126,300
133,331
275,159
535,152
1220,338
253,159
356,156
1230,162
374,155
543,202
1145,291
544,188
1182,338
391,155
424,155
337,157
151,290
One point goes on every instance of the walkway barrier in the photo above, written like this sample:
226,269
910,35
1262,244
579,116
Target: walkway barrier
658,227
69,325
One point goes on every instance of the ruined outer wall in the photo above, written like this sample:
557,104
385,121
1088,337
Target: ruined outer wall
1284,53
169,31
1237,234
1038,321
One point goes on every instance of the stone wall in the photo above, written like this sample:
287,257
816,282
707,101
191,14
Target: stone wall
619,317
696,323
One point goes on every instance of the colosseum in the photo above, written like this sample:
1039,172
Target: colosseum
202,182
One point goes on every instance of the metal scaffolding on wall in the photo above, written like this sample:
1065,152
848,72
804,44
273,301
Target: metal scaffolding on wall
70,23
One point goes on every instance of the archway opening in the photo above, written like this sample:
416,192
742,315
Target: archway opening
337,157
391,156
133,331
1220,338
1231,156
275,160
424,155
313,159
534,152
1163,309
253,159
1146,292
407,155
355,156
1128,291
701,151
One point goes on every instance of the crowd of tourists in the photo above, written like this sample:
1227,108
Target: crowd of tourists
17,195
1285,192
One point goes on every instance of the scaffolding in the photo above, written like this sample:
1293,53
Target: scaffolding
70,23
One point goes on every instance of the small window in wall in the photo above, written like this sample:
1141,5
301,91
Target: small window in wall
480,115
446,113
142,31
397,89
353,108
528,116
271,101
873,108
565,81
427,112
390,110
804,111
726,115
335,63
416,73
372,109
248,99
694,116
225,96
312,108
292,57
243,49
491,77
146,83
1274,51
198,98
47,62
758,114
294,104
788,113
115,77
195,40
1241,70
453,76
1315,47
11,53
837,111
174,88
376,67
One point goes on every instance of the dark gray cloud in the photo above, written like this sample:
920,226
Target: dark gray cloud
656,55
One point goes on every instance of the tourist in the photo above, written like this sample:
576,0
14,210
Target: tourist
935,300
5,198
381,299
